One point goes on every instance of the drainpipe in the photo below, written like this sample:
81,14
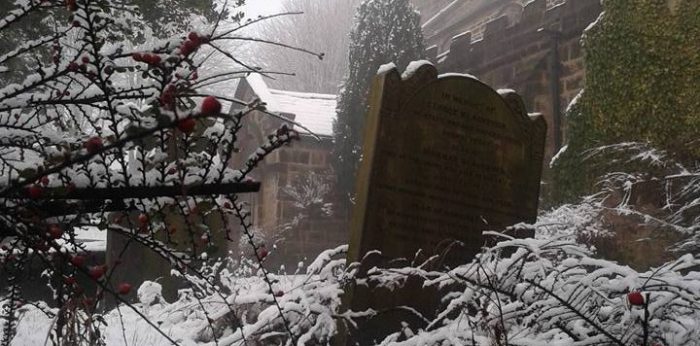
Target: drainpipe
554,74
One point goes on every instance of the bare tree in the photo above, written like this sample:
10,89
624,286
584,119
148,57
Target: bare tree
320,26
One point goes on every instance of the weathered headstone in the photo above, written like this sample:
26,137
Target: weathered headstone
444,158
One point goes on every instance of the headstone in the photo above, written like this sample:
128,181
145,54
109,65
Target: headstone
444,159
139,263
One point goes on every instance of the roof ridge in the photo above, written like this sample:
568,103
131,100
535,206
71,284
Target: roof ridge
303,94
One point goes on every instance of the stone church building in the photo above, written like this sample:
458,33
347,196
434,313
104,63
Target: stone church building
532,47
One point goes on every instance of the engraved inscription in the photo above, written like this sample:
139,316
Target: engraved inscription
450,160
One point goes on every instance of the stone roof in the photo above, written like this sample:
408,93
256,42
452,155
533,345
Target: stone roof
314,111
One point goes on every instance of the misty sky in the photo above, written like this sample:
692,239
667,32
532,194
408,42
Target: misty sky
261,7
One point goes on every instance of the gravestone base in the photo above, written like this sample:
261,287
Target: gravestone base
407,304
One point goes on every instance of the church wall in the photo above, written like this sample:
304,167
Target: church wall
520,55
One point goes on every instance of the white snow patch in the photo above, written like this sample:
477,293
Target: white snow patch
150,293
314,111
557,155
256,82
413,67
464,75
386,68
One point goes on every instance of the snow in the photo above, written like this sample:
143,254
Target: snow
558,155
256,82
533,276
413,67
93,238
461,75
312,110
386,68
532,280
89,238
150,293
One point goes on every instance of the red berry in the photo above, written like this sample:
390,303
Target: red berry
72,6
85,60
78,260
172,170
188,47
211,106
93,145
193,36
137,57
152,59
143,219
72,66
55,231
96,272
635,298
186,125
76,24
262,252
194,76
166,100
279,293
124,288
70,280
44,180
35,191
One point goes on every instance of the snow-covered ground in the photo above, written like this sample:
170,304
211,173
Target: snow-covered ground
549,290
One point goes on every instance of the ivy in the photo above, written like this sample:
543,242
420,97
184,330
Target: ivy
642,62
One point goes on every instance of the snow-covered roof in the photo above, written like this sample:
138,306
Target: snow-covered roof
93,238
313,111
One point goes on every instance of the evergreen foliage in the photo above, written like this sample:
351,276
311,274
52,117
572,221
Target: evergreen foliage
642,63
385,31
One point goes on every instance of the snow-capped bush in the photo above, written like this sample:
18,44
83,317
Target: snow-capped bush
547,291
104,125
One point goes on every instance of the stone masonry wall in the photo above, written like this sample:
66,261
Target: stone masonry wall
529,56
300,227
299,233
